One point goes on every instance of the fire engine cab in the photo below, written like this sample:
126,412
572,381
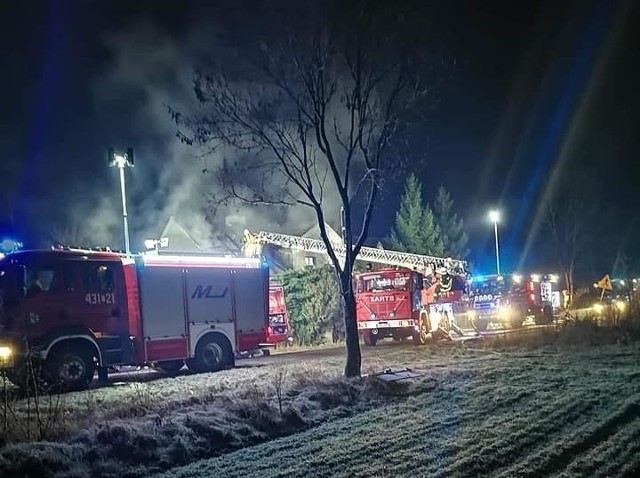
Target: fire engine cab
73,311
400,303
279,329
389,303
510,299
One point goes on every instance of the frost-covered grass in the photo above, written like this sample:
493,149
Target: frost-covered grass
479,407
139,395
552,413
286,401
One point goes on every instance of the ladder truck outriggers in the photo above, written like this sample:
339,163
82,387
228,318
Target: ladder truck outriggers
413,295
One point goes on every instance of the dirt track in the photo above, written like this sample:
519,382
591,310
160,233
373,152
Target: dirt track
283,356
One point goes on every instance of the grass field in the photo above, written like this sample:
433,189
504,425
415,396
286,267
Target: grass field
542,413
508,407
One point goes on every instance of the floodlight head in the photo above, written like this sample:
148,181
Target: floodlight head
494,216
120,159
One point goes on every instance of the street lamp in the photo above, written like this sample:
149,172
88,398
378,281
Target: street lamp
494,216
122,160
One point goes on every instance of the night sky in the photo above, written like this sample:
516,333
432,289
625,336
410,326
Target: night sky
537,87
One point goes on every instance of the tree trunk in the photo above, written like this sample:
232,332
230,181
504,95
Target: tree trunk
354,361
568,274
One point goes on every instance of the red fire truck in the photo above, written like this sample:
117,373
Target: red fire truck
509,300
74,311
389,304
400,303
279,329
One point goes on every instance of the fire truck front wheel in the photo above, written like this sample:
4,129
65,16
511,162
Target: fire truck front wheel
213,353
420,336
71,366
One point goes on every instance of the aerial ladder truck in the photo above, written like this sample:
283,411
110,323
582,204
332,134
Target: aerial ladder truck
414,295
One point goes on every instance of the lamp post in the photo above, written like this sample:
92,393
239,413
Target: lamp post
494,216
122,160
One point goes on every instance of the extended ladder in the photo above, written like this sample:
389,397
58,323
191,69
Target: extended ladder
427,264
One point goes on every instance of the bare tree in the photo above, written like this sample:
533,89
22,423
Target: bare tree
70,235
569,225
316,120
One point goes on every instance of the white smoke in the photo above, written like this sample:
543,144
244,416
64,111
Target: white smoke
150,70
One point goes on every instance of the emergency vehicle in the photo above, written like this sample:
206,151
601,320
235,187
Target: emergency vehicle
73,311
279,329
508,300
401,303
394,301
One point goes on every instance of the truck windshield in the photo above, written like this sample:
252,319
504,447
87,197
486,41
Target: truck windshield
381,283
484,287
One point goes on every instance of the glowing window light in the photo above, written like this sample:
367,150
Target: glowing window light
201,261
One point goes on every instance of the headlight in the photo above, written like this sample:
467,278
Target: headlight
471,314
598,308
5,352
373,316
392,315
621,305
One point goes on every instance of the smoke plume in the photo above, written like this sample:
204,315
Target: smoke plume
148,71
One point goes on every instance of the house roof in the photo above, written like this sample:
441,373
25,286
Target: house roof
180,240
314,233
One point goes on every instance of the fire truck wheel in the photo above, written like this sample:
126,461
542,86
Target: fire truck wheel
420,337
70,367
213,353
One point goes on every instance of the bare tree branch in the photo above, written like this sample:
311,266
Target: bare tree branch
316,115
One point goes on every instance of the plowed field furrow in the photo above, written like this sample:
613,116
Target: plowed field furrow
491,453
577,441
610,457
